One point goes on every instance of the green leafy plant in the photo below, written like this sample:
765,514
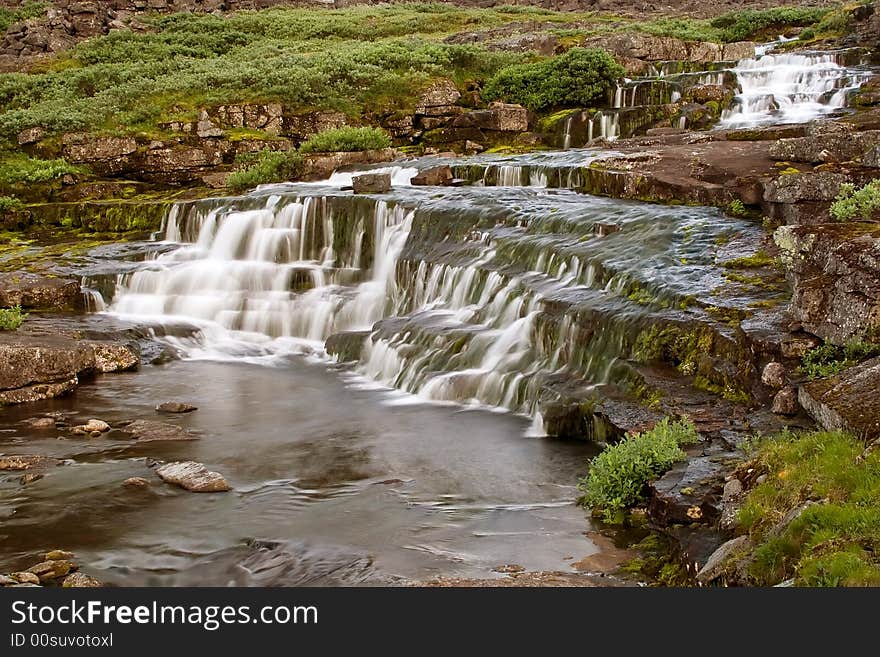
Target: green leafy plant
10,204
346,138
11,318
618,476
578,78
737,208
19,169
266,167
23,12
829,359
862,203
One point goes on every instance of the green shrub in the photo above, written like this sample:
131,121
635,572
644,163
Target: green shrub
10,204
618,475
737,208
741,25
346,138
11,318
579,78
852,203
266,167
829,359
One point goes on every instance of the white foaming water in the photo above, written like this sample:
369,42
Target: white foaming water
261,280
400,176
789,88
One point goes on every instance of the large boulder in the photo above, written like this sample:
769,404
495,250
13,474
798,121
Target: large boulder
795,187
835,275
33,291
689,493
104,155
371,183
847,401
500,117
441,93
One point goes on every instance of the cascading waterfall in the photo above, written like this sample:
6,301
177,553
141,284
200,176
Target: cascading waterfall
790,88
279,270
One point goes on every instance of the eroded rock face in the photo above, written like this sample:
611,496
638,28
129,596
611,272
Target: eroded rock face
795,187
847,401
826,142
32,291
106,155
500,117
346,346
650,48
193,476
835,272
441,93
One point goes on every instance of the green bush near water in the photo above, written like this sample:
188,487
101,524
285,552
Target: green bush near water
11,318
346,138
578,78
829,359
618,476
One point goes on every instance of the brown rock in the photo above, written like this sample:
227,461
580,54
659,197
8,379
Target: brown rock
58,555
49,571
150,430
29,478
80,580
440,93
23,462
40,423
114,357
30,136
434,176
371,183
41,292
847,401
773,375
136,482
786,402
176,407
25,578
193,476
796,345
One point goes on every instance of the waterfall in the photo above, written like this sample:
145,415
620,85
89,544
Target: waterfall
790,88
277,270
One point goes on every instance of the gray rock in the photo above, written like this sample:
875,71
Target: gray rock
773,375
440,93
40,292
826,142
346,346
871,158
371,183
847,401
813,186
717,562
785,402
788,518
500,117
732,490
193,477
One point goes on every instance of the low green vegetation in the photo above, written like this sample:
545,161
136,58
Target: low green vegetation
746,23
346,138
10,204
754,261
23,12
578,78
619,475
18,169
266,167
829,359
736,208
857,204
836,540
11,318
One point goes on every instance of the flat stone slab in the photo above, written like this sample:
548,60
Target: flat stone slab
193,476
847,401
34,291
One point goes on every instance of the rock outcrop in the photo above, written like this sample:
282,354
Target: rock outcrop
35,292
835,275
35,367
847,401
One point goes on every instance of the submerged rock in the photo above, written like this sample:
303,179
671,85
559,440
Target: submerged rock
148,430
193,476
847,401
136,482
92,426
371,183
40,423
176,407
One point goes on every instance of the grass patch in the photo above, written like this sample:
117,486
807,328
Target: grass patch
23,170
619,476
11,318
833,543
10,204
743,24
25,11
829,359
266,167
346,138
854,204
754,261
578,78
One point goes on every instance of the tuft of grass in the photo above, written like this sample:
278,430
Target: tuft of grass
829,359
619,475
754,261
11,318
266,167
346,138
832,543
